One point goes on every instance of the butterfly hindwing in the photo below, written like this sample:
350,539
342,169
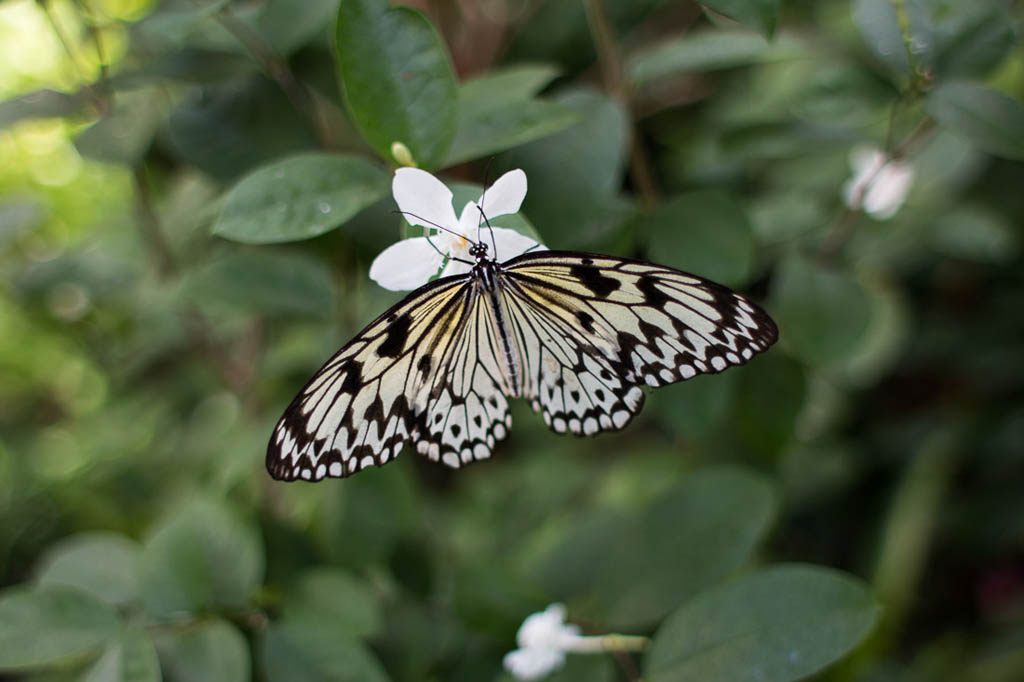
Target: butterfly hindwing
611,324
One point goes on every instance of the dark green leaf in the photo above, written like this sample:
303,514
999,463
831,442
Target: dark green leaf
200,557
760,15
124,134
236,127
130,658
976,233
779,624
880,30
287,25
693,537
988,119
262,283
704,232
497,112
822,312
398,82
299,197
697,52
50,624
103,564
974,42
574,175
211,651
42,104
767,399
317,656
330,598
695,409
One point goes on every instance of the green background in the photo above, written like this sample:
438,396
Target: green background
191,194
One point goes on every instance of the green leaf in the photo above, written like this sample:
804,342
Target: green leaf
988,119
399,85
124,134
236,127
575,174
321,655
697,52
42,104
697,408
103,564
823,313
973,42
287,25
299,197
262,282
51,624
976,232
703,232
200,557
130,658
327,597
497,112
778,624
880,30
767,400
760,15
212,651
693,537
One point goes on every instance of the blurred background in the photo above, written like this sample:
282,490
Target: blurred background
189,205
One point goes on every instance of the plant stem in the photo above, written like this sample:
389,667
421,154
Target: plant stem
616,85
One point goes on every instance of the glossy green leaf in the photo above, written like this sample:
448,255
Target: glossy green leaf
262,283
322,655
974,41
760,15
130,658
704,232
300,197
776,625
988,119
52,624
399,84
200,557
329,596
880,29
103,564
822,312
211,651
497,111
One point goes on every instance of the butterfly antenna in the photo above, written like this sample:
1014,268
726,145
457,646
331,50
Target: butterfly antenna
483,195
493,242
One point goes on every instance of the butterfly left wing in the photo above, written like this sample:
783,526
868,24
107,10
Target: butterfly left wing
591,329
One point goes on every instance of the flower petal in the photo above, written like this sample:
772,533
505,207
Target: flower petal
405,265
886,194
510,243
470,221
531,664
422,198
505,195
456,267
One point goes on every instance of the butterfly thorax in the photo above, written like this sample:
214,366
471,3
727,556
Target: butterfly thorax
485,270
485,276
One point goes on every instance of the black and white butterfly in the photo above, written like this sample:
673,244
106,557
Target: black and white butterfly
575,334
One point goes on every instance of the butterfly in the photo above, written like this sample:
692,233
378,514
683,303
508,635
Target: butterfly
573,333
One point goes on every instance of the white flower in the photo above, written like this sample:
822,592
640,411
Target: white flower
879,186
543,639
424,200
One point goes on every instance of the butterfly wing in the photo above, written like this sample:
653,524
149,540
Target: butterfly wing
425,371
591,329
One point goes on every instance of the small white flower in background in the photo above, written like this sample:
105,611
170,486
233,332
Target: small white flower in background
424,200
544,638
879,185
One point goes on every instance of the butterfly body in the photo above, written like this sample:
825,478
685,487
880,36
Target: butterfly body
575,334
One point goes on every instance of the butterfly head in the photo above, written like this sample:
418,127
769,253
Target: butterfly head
478,251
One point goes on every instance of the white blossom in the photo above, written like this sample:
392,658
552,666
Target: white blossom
543,640
424,200
879,185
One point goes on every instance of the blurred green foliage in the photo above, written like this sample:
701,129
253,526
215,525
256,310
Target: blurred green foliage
191,192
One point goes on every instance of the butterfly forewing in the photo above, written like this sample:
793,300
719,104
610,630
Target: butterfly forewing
575,334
